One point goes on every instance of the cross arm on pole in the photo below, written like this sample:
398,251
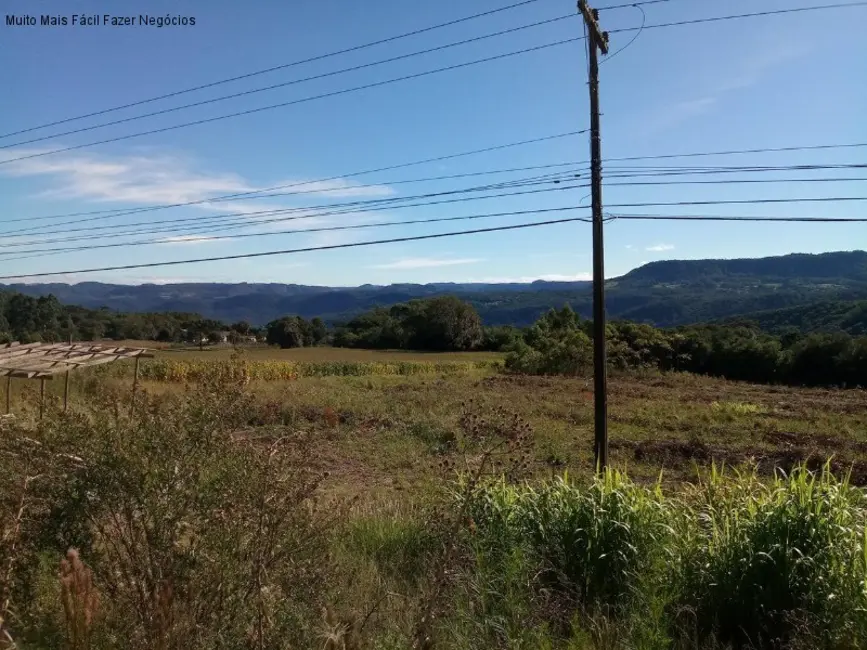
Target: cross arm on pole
591,18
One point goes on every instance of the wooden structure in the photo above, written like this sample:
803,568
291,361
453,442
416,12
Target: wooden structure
46,360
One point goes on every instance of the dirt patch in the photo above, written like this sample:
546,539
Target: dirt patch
680,453
521,380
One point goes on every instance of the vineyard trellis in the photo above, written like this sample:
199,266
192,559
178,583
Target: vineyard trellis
46,360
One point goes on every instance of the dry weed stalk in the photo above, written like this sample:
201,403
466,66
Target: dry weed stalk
80,600
505,441
341,634
9,543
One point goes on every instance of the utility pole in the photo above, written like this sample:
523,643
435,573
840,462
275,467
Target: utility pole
597,39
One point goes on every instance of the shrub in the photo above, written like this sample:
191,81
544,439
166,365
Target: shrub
193,535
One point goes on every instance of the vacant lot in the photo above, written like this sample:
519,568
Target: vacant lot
328,510
385,432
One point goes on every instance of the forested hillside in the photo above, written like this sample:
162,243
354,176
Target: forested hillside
665,294
827,316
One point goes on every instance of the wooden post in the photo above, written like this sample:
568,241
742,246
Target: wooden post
597,39
41,397
66,391
134,384
8,394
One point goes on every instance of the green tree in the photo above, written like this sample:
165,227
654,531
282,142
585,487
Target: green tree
287,332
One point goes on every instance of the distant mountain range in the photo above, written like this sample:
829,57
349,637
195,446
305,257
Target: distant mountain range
666,293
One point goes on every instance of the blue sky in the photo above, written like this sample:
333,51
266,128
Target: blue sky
763,82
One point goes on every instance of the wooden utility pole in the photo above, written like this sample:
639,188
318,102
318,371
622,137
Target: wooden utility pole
597,39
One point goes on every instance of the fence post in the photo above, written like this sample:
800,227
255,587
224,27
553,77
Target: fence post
41,397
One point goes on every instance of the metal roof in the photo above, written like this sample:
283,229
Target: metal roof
44,360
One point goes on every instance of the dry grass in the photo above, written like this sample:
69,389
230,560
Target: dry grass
320,354
383,433
386,448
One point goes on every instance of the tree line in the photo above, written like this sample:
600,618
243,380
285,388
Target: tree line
30,320
559,342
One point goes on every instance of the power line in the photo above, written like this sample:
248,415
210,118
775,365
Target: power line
108,214
285,84
719,169
632,4
305,212
733,152
308,215
660,217
299,231
737,181
342,91
555,177
373,205
250,194
319,57
775,12
292,251
405,78
633,39
822,199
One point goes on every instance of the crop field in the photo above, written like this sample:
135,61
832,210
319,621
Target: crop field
310,354
391,500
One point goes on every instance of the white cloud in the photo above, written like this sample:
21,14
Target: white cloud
629,246
160,178
425,263
190,239
660,248
526,279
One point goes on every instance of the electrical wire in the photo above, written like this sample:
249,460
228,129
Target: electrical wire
251,194
632,4
737,181
733,152
822,199
286,84
379,202
537,224
244,223
407,77
292,251
334,93
110,214
248,75
775,12
617,173
634,38
661,217
356,226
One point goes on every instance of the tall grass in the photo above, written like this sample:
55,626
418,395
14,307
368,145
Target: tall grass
732,561
769,564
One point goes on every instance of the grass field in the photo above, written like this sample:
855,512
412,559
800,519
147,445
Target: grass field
389,427
397,550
